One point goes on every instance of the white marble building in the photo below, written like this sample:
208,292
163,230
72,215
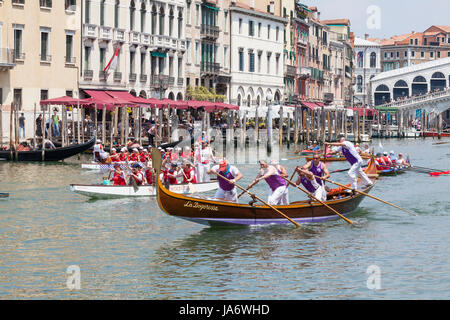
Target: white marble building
257,60
150,35
410,81
367,65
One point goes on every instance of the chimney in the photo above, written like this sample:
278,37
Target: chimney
413,32
252,4
318,15
366,36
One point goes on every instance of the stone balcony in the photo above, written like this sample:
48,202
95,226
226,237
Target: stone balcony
119,35
7,59
146,39
105,33
209,32
135,38
90,31
304,72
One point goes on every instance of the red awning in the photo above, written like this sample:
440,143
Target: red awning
182,105
222,106
208,106
310,105
320,104
65,101
101,98
364,111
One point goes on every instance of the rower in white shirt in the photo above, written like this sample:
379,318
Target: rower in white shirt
203,158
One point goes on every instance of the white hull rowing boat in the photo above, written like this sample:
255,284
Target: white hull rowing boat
105,167
109,192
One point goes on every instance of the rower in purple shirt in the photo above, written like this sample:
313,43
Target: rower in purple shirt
349,151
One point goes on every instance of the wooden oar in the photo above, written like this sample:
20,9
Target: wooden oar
366,194
295,158
255,183
323,203
438,143
256,197
192,188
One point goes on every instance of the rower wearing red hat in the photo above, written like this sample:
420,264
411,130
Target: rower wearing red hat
227,191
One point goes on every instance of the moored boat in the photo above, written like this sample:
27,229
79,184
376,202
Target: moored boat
110,192
336,159
57,154
4,195
392,171
221,213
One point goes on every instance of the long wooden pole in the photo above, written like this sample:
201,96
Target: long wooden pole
321,202
104,126
16,131
1,124
63,126
11,124
43,126
365,194
256,197
34,127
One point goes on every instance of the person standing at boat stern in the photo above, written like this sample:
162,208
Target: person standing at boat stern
203,158
348,150
278,188
226,191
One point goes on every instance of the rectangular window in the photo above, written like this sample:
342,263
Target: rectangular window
188,51
197,53
277,65
438,54
44,47
241,60
225,21
102,59
259,29
240,26
251,32
87,54
422,54
69,48
413,53
45,3
18,43
188,13
268,32
431,54
197,14
277,33
225,57
251,60
87,10
44,94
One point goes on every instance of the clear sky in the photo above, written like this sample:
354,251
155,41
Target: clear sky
386,17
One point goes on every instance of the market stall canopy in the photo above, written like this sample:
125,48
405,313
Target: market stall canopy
222,106
310,105
208,106
139,101
102,99
181,105
65,101
365,111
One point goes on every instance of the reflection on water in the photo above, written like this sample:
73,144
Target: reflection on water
129,249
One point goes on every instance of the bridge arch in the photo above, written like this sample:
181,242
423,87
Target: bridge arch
401,89
419,86
382,94
437,81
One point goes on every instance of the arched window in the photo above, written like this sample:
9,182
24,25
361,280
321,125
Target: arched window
171,17
161,21
143,14
132,12
180,24
116,14
359,83
102,12
154,19
438,75
360,59
382,88
401,84
419,79
373,60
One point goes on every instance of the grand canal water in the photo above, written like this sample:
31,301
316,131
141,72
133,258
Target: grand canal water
129,249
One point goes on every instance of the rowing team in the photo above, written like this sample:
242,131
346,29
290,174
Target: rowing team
386,162
311,176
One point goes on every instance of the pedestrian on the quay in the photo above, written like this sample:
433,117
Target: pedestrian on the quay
22,126
39,126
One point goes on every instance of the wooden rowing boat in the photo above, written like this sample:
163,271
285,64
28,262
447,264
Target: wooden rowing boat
392,171
111,192
95,166
336,159
4,195
221,213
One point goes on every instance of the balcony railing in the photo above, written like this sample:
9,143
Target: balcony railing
88,74
180,81
70,60
117,76
155,82
105,33
208,31
119,35
90,31
171,81
143,78
210,67
19,56
46,58
102,75
290,71
7,59
135,37
133,77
